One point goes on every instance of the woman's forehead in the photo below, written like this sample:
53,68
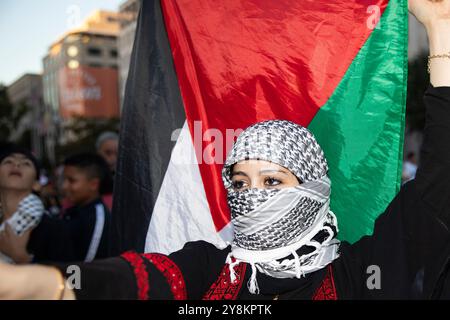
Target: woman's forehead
259,165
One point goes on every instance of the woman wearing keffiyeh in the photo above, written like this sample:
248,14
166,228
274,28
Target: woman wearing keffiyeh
276,222
285,243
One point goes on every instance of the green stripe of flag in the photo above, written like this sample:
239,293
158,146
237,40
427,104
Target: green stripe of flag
361,126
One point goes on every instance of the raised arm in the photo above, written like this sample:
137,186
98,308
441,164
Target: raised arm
414,229
435,16
432,177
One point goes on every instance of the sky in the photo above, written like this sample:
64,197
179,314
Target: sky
29,27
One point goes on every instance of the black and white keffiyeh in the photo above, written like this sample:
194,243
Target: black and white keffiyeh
28,215
272,225
282,142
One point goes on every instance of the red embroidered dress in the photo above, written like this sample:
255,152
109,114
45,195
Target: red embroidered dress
407,241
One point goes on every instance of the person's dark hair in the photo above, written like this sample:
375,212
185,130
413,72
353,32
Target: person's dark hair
10,149
94,166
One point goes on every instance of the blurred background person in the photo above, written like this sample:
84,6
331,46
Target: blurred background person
83,232
51,198
107,146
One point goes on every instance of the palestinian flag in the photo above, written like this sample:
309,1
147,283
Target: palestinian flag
203,69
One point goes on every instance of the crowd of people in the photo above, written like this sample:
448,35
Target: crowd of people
59,218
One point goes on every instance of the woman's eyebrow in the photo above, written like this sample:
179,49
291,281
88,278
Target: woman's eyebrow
272,171
238,173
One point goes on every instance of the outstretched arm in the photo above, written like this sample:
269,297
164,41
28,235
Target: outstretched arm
32,282
432,175
185,274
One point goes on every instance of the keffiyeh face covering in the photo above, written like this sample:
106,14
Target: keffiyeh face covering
272,225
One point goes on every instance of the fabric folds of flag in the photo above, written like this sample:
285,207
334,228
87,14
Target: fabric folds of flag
203,70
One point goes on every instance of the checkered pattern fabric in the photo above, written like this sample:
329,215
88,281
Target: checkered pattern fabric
282,142
243,202
270,225
28,215
282,232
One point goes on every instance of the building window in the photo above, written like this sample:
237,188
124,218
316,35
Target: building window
72,51
85,39
72,38
92,51
111,19
113,53
95,65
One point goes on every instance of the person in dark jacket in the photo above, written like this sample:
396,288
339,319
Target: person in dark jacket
285,244
83,232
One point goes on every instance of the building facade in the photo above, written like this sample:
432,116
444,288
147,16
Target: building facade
80,77
81,70
125,41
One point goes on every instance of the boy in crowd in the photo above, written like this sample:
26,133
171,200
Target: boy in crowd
83,233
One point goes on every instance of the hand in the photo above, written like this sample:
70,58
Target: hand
435,16
429,12
31,282
15,246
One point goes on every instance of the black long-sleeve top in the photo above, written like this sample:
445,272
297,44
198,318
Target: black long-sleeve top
69,239
407,253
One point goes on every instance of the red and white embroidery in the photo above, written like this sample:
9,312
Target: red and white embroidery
171,272
223,288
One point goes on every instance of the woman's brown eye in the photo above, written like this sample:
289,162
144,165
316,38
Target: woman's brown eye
238,184
272,182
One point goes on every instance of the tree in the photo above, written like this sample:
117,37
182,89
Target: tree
82,134
10,118
6,110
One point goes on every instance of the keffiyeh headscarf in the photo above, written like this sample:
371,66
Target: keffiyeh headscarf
283,233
